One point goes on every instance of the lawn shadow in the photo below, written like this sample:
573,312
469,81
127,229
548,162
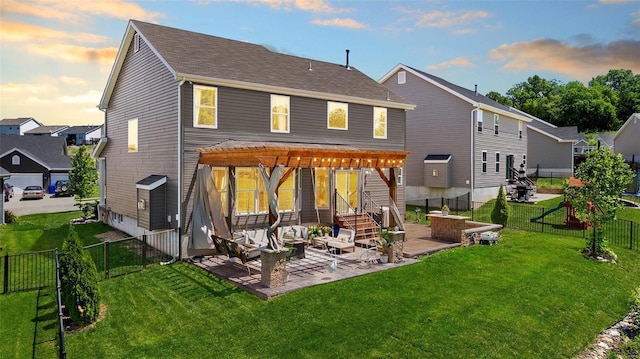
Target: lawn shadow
211,284
45,323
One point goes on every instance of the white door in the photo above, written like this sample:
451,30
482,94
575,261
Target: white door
21,180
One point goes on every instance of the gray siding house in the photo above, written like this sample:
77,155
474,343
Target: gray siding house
18,126
550,149
178,100
482,138
627,140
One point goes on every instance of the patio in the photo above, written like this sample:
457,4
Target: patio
314,268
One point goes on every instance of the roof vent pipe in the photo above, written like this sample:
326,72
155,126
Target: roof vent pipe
347,66
310,67
476,90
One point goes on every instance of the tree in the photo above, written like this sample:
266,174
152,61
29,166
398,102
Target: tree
589,108
79,281
83,175
537,97
500,212
627,87
604,176
497,97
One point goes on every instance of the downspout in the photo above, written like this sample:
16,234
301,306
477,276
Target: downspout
180,171
473,130
102,171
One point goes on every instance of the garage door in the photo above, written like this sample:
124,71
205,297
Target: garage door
21,180
59,176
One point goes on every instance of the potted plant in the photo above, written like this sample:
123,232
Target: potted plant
445,210
386,239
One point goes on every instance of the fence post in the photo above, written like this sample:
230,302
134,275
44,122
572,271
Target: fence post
5,281
106,260
542,209
426,206
472,211
144,251
630,234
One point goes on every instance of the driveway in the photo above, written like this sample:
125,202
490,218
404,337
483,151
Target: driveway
46,205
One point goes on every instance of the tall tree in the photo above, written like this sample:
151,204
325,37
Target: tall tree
604,176
497,97
627,87
537,97
589,108
83,175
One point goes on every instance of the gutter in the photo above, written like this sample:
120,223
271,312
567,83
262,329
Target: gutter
473,129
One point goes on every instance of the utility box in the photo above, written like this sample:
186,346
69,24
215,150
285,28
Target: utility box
152,202
437,171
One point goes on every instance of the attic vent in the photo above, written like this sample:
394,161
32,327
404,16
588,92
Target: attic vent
402,77
136,42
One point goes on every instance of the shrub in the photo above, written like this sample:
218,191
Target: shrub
500,213
9,217
79,281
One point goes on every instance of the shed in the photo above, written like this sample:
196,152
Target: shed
152,202
437,171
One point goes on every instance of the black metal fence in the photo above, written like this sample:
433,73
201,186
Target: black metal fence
62,351
35,270
618,232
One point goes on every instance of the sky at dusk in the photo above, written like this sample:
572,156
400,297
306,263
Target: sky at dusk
56,55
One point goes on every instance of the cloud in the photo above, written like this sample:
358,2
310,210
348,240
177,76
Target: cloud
23,89
15,31
91,96
580,62
73,81
457,62
338,22
440,19
607,2
69,10
317,6
73,53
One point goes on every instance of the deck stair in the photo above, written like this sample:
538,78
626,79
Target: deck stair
366,229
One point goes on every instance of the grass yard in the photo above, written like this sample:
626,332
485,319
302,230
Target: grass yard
532,296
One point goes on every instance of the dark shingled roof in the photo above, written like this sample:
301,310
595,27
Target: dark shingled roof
78,129
212,58
437,157
45,129
15,121
50,151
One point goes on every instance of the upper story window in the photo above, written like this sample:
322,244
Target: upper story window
379,122
519,129
132,135
280,113
479,120
496,122
136,42
337,115
15,160
205,105
484,161
402,77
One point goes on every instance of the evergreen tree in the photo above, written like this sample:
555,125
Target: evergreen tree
500,212
83,175
79,281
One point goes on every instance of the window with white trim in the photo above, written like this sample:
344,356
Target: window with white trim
497,162
15,160
280,113
400,175
132,135
479,116
402,77
136,42
205,106
519,129
524,159
252,195
484,161
496,122
379,122
322,187
337,115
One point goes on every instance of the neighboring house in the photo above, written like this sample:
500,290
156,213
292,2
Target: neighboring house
550,149
627,142
34,160
176,101
18,126
587,143
82,135
46,131
481,140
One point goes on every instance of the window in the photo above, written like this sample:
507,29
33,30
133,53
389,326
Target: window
279,113
402,77
519,129
524,159
496,120
479,120
136,42
400,172
379,122
221,179
497,162
252,194
484,161
205,101
337,116
132,135
15,160
322,187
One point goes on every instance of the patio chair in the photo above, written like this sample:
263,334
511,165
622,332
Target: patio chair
232,250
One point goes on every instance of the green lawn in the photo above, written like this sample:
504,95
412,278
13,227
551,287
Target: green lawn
532,296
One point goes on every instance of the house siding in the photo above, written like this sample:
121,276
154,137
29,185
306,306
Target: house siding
548,155
147,91
627,142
